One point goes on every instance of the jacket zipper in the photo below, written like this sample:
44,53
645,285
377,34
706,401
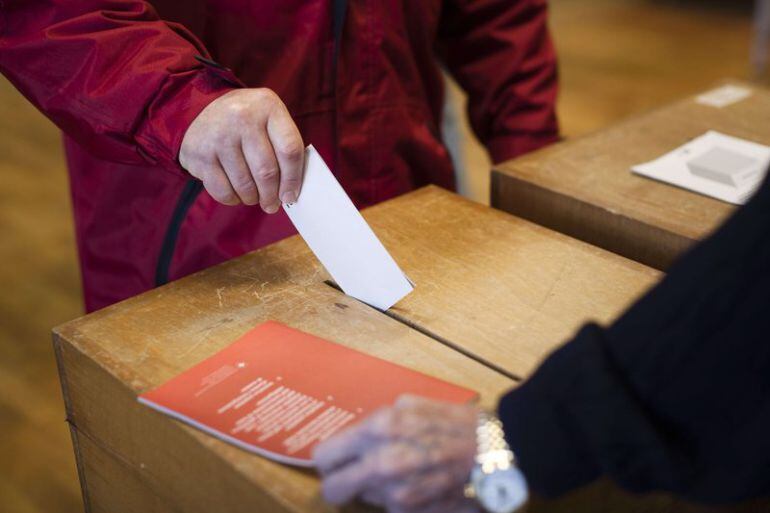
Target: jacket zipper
339,14
189,193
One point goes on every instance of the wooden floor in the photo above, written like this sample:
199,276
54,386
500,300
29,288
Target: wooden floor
618,57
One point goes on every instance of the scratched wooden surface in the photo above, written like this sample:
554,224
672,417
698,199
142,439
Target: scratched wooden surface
500,288
109,357
585,188
617,57
131,458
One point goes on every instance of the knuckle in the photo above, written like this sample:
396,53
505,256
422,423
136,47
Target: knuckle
227,198
385,465
219,138
290,181
267,95
218,191
210,162
395,423
266,173
194,158
391,463
239,111
243,182
290,149
382,425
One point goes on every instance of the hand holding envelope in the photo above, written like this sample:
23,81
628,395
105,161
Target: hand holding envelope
341,239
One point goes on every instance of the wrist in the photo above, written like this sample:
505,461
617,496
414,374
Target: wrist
174,113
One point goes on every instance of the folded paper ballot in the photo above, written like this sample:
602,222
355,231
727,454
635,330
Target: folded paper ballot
278,392
342,240
717,165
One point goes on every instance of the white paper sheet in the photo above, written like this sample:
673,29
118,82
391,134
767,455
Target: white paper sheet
724,96
717,165
339,236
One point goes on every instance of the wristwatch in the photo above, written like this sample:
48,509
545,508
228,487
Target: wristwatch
496,482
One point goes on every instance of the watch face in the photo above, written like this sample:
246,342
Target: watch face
503,491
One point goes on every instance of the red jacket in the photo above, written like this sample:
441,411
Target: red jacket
121,79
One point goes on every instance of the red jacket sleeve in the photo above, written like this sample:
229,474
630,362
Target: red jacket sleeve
110,73
500,51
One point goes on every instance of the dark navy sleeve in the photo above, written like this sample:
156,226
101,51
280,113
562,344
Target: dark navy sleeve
675,395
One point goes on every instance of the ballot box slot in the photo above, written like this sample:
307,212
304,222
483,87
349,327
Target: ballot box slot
438,338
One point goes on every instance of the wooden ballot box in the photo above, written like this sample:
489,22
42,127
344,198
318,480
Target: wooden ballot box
584,187
497,287
133,459
494,294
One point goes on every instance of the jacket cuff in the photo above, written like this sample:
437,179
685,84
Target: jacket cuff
549,447
508,147
181,99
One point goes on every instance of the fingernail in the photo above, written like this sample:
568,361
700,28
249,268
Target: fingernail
289,197
271,209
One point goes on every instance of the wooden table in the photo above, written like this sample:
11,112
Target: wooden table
584,187
498,288
133,459
494,294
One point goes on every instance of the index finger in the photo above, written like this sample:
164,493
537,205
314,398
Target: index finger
289,151
350,443
340,448
348,482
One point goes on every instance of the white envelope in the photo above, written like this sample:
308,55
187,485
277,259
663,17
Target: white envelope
339,236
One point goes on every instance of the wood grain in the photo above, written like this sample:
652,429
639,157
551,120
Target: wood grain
617,57
497,287
109,357
113,485
585,188
132,458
